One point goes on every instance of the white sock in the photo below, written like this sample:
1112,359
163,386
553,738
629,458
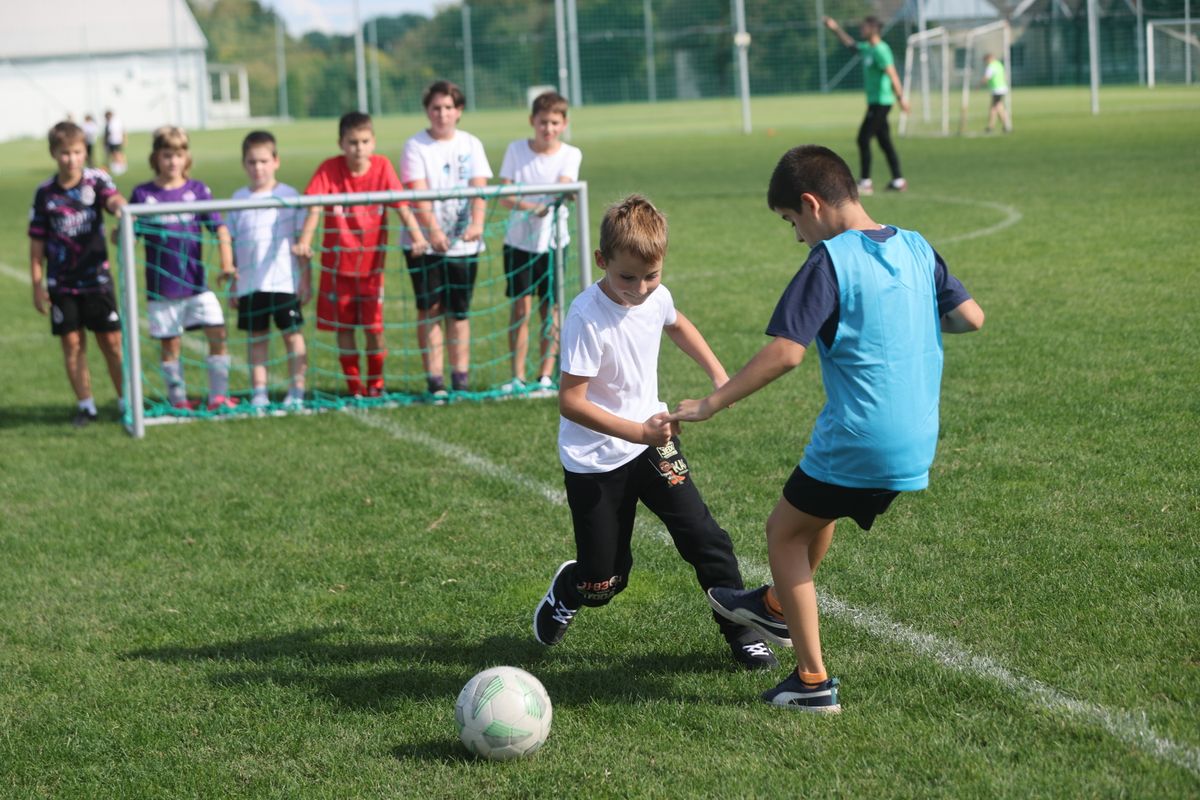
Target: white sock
173,375
88,404
218,376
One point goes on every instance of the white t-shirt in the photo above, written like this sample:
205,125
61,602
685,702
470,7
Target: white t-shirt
114,131
262,242
616,347
526,231
447,164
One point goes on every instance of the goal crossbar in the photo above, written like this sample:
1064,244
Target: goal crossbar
135,419
1188,37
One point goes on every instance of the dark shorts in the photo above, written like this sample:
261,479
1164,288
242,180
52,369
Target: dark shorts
523,270
96,311
997,99
827,501
257,309
442,280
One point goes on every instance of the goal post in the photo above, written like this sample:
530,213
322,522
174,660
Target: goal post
949,60
1172,51
490,311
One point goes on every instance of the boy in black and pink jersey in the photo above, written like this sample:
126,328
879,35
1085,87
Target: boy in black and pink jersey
67,251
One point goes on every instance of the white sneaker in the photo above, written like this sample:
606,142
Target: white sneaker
260,400
546,382
515,385
866,188
897,185
294,399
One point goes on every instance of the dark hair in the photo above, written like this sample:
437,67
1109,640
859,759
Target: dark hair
811,169
352,121
872,23
634,226
65,133
549,103
447,88
259,139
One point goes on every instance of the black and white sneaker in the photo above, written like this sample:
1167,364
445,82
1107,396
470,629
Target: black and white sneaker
552,616
748,607
821,698
751,652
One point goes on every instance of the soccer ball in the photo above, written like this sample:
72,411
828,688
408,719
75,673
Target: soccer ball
503,713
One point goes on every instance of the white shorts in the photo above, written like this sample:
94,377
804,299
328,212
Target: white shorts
170,318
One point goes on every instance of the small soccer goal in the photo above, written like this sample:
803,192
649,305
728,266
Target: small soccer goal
1172,52
941,64
508,298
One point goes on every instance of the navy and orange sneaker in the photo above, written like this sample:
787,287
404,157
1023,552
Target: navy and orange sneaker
820,698
749,607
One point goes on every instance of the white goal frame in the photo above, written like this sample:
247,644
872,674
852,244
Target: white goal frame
1189,39
135,420
947,43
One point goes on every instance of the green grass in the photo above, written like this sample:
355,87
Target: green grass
288,607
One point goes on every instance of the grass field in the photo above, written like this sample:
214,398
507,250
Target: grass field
288,607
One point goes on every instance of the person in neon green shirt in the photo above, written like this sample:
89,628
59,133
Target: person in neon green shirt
884,90
994,78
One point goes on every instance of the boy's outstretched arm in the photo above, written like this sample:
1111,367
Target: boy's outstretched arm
573,404
842,36
687,337
780,355
966,317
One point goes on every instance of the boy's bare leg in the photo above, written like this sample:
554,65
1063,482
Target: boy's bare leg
549,339
429,339
110,345
74,347
796,543
216,340
297,352
458,332
518,334
259,346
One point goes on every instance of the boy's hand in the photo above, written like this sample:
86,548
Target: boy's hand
830,23
657,430
41,299
691,411
542,210
302,250
438,241
227,278
474,232
420,246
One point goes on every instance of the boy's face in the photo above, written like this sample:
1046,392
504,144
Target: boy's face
170,164
548,126
443,114
629,280
358,146
71,156
804,224
260,163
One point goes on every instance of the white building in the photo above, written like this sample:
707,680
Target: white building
144,59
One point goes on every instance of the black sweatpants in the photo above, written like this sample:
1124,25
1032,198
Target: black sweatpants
875,125
603,506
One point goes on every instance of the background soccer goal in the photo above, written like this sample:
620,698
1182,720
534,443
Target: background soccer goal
404,374
942,63
1172,52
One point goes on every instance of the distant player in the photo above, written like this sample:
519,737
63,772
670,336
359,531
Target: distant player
876,299
353,250
615,442
67,251
443,157
91,131
533,234
114,143
272,282
176,288
882,84
996,81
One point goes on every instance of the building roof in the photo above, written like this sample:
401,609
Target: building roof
81,28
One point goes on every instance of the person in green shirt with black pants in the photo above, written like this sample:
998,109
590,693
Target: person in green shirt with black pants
995,80
882,83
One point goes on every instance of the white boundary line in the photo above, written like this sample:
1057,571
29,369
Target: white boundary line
1126,726
1012,215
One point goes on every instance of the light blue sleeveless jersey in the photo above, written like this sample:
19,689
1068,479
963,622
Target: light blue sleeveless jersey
883,371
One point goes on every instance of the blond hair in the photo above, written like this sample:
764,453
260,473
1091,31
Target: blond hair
635,227
63,134
173,139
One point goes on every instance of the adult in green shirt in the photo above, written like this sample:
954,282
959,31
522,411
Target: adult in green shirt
995,80
882,83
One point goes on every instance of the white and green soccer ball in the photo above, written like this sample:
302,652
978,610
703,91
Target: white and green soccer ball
503,713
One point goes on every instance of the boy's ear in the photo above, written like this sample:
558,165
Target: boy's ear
600,260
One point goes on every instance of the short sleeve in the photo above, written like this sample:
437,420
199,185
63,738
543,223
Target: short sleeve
479,160
37,217
412,166
950,292
105,187
390,182
211,219
883,56
581,348
809,304
508,167
570,168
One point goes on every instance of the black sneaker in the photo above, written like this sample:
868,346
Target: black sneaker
552,616
83,418
794,693
748,607
751,652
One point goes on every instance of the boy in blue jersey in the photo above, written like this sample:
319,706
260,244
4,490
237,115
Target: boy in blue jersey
876,299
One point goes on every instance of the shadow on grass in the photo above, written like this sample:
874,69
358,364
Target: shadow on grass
432,668
55,417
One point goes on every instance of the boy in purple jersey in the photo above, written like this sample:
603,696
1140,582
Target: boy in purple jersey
178,298
67,249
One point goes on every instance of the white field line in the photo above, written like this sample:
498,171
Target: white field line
1011,216
1126,726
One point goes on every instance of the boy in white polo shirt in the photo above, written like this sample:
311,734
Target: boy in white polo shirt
615,441
533,234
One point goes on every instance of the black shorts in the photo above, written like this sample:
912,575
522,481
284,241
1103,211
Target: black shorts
257,309
96,311
443,280
523,270
827,501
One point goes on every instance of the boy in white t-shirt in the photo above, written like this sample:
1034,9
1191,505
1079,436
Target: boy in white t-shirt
533,235
443,157
615,441
272,282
